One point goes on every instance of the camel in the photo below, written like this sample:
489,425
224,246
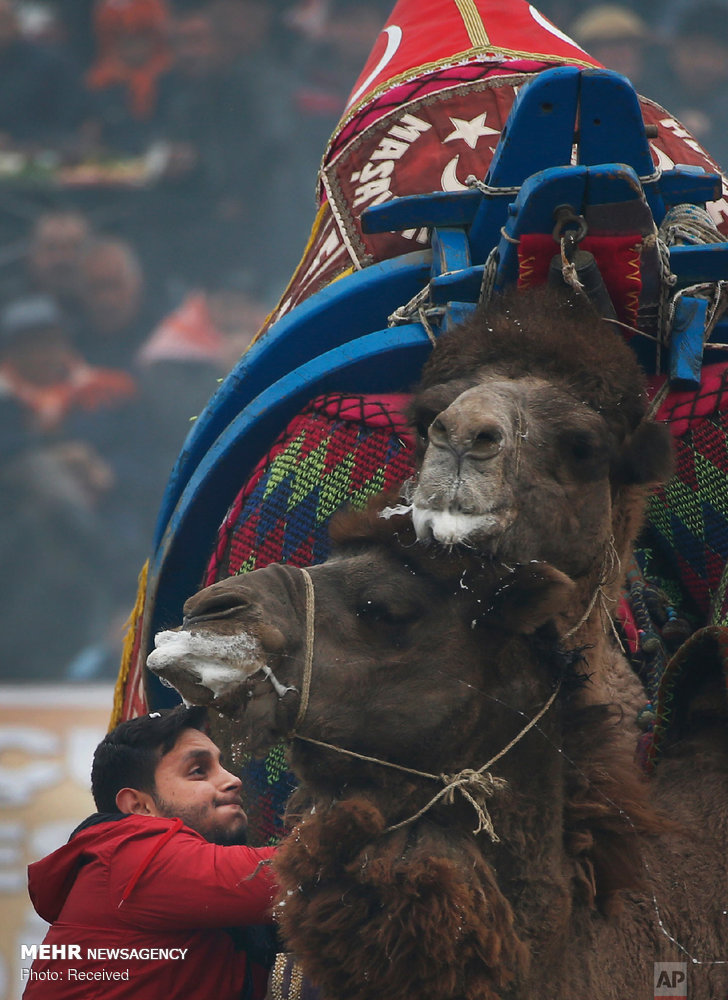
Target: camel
437,630
534,443
554,870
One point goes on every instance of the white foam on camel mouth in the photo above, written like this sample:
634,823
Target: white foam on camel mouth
450,527
217,663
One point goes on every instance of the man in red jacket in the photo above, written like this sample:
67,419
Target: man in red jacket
140,897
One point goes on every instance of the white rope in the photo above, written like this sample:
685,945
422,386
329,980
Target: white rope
472,181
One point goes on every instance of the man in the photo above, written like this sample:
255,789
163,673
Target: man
42,101
56,245
116,312
140,896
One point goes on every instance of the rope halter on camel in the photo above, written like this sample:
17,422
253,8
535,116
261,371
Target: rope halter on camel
476,786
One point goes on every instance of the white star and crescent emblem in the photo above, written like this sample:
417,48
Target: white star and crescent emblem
470,131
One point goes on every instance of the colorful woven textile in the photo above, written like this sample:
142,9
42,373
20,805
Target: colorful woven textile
688,517
339,450
681,576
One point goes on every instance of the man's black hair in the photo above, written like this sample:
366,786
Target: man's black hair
127,757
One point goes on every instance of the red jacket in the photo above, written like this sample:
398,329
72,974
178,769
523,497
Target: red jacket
142,883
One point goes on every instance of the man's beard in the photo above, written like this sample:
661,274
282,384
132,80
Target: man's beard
226,835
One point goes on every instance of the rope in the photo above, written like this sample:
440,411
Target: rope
609,562
472,181
508,238
659,398
421,306
668,280
308,664
568,267
691,225
650,178
476,786
422,313
403,314
490,270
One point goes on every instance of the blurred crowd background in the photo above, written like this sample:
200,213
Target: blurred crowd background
158,165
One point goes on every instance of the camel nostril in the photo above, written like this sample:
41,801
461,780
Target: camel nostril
487,442
207,605
438,432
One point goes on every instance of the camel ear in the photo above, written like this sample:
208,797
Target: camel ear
646,457
530,596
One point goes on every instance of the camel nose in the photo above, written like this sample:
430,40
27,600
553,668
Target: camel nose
218,601
467,431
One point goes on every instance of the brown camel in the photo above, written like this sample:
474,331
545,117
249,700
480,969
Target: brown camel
436,661
539,445
534,443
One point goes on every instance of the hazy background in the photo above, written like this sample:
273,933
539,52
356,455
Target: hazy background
158,168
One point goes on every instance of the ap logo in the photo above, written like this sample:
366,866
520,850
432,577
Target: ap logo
671,980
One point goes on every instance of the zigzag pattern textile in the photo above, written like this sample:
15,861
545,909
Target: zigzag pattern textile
340,450
685,552
688,517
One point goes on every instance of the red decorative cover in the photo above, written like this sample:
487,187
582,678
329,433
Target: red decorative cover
425,35
428,110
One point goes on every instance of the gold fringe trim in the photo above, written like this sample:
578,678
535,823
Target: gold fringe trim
473,23
342,274
128,648
449,62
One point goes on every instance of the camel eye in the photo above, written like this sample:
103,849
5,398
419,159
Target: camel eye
580,446
384,612
585,452
386,623
377,612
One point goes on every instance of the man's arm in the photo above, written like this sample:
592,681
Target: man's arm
190,883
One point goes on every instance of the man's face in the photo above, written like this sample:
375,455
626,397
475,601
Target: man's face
43,356
112,291
8,24
55,255
191,783
195,47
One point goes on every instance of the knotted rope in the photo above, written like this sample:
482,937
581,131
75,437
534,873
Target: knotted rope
476,786
419,305
693,226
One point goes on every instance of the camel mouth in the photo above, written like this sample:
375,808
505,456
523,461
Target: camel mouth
456,527
206,670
